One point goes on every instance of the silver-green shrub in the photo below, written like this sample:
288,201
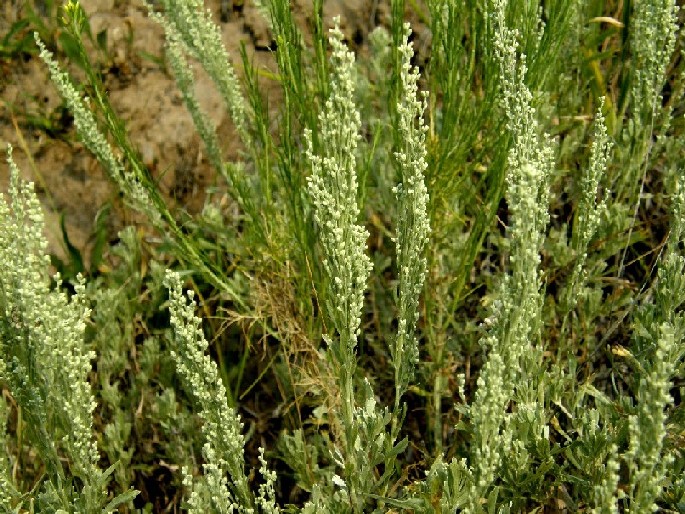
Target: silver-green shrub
515,365
660,327
222,430
413,227
45,360
513,327
93,138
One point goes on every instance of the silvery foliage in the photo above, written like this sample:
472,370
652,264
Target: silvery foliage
44,360
589,209
266,498
183,73
514,322
333,190
658,337
660,326
222,429
653,37
89,132
605,493
413,228
179,42
192,26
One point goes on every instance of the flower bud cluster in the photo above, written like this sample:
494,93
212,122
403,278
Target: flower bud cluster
515,318
589,209
333,189
222,428
43,331
92,137
660,325
653,37
413,228
192,24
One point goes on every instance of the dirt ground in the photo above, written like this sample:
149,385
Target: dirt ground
69,180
